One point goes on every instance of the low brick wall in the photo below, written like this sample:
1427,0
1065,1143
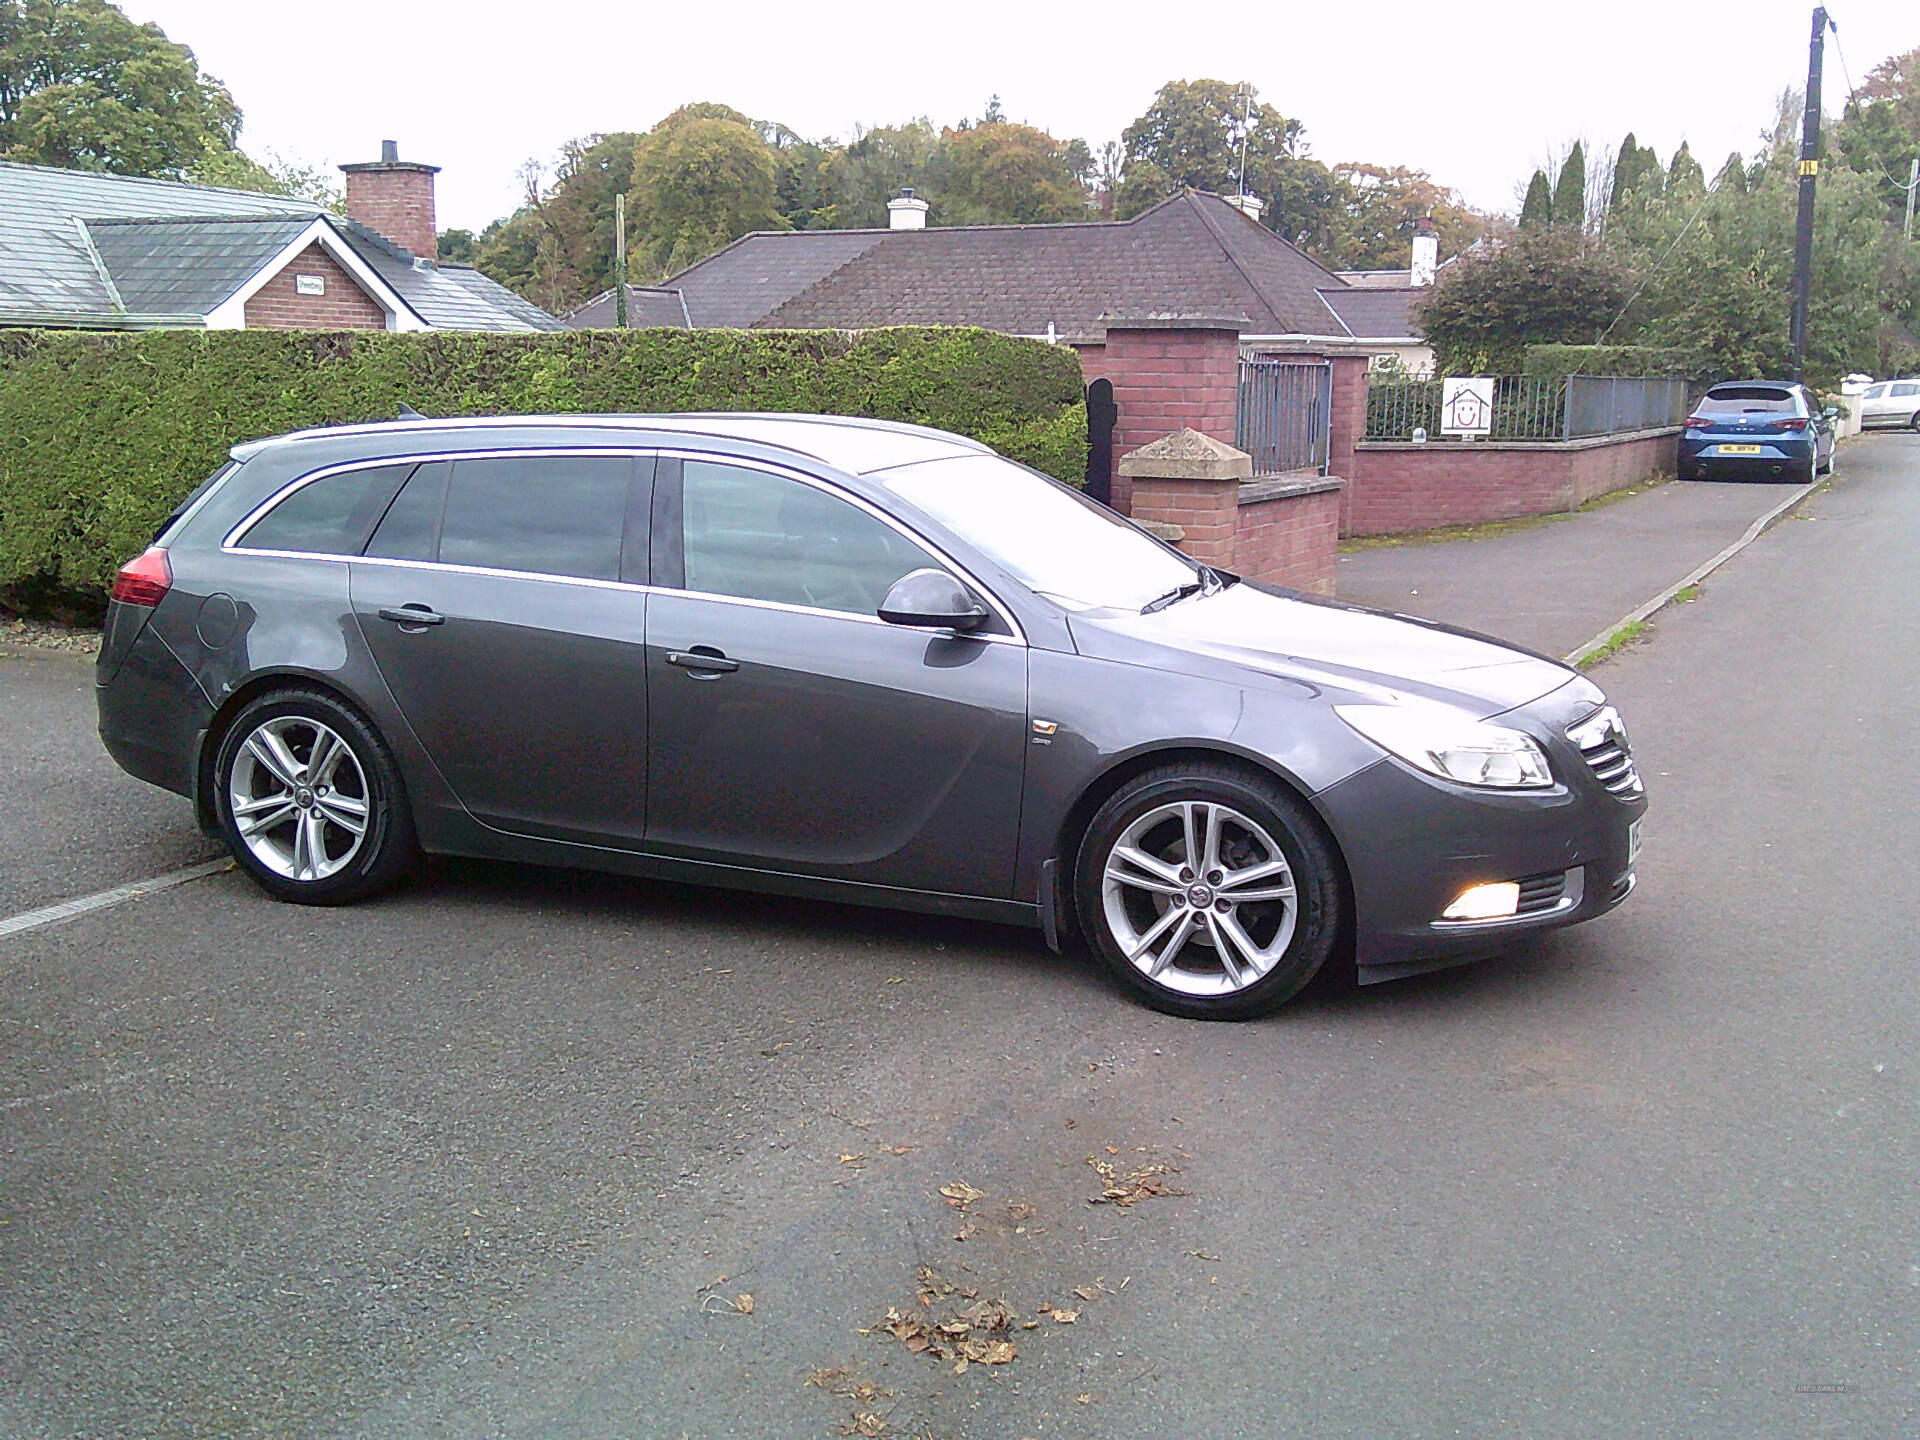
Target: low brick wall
1288,531
1398,486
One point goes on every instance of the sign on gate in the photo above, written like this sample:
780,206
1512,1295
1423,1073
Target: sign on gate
1466,405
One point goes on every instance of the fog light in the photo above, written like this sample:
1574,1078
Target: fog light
1485,902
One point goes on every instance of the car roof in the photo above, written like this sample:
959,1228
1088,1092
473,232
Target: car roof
849,443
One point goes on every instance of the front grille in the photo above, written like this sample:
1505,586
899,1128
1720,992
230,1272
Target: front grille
1602,739
1541,892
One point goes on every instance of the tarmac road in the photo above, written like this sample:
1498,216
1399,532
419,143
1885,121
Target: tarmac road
470,1160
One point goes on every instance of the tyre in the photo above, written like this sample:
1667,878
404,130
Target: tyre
1210,893
1915,422
310,800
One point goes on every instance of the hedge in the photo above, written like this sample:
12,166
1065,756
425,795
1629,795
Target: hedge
1558,361
102,434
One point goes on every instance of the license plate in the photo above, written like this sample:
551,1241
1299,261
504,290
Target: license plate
1739,449
1633,842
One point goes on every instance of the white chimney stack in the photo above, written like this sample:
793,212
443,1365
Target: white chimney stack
906,212
1426,252
1248,205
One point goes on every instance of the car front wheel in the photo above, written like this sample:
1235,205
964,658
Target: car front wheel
310,801
1209,893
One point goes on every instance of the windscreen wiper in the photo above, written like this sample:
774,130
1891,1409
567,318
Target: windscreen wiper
1173,596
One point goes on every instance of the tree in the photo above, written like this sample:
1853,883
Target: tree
457,247
1010,174
236,170
83,87
1536,212
1879,133
1684,176
1570,190
881,162
1637,176
1382,208
1192,137
1721,288
1545,286
698,183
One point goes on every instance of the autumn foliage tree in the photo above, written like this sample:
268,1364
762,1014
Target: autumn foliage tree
84,87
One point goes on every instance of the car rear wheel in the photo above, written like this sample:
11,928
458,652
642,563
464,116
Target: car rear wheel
310,800
1209,893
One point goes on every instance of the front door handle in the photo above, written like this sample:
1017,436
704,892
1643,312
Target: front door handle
413,615
700,662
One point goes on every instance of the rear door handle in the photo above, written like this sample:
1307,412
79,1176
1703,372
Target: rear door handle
409,615
697,662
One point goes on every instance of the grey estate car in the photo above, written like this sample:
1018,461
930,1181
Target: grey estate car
854,660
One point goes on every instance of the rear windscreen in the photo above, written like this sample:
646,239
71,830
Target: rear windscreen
1748,399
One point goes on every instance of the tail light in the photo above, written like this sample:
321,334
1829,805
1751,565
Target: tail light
145,579
1797,423
1699,422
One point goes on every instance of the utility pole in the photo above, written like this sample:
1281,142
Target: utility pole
1809,170
1913,185
620,260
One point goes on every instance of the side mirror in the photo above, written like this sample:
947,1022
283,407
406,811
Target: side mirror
934,600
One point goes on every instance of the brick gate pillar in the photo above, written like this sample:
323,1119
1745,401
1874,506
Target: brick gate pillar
1190,481
1170,372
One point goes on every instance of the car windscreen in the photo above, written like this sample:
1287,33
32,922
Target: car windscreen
1053,540
1748,400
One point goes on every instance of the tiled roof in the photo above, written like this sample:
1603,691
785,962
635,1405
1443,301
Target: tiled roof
646,305
188,266
1193,253
73,240
1376,314
746,282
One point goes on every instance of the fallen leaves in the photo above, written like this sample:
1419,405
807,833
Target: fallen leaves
973,1335
960,1194
1145,1183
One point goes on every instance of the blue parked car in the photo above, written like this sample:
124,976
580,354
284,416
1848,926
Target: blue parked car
1764,429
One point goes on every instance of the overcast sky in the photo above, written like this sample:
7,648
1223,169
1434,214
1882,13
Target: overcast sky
1476,92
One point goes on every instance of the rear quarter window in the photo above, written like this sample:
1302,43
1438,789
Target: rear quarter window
333,515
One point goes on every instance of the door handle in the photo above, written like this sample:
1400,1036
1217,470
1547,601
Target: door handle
697,662
411,615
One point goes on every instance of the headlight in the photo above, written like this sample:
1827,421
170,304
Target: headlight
1446,743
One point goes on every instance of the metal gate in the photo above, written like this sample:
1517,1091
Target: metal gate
1285,409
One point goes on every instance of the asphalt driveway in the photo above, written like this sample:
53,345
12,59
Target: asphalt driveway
515,1153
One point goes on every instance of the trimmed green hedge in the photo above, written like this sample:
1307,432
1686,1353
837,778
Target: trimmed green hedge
1559,361
102,434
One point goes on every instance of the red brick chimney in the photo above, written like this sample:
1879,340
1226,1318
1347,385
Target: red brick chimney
394,199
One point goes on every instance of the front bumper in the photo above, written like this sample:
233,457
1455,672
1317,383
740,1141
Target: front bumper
1413,844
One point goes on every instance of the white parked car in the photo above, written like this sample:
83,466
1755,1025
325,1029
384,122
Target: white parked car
1890,402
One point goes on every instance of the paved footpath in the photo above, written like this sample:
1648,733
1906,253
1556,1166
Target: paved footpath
1555,586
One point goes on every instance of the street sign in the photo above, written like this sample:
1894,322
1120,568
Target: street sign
1466,405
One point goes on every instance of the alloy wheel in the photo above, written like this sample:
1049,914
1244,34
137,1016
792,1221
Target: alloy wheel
1199,897
299,798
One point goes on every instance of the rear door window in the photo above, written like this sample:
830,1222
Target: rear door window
544,514
411,528
333,515
1908,387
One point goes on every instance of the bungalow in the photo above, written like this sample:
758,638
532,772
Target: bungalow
85,250
1194,253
